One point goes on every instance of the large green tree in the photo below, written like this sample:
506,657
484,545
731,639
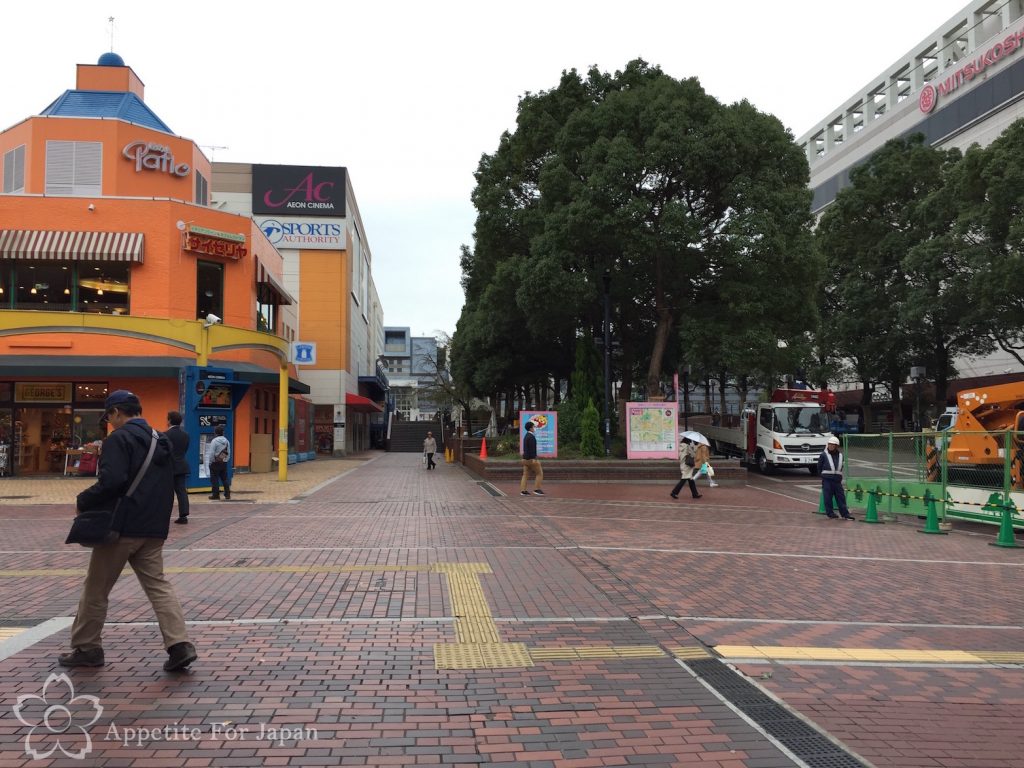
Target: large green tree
896,276
693,207
990,232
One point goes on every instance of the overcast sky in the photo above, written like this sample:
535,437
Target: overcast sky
408,95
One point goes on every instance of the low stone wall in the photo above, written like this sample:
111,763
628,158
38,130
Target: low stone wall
612,471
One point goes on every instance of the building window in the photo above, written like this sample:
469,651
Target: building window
65,286
14,170
209,289
74,168
103,288
202,189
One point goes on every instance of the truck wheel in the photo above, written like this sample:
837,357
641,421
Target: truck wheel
763,464
813,469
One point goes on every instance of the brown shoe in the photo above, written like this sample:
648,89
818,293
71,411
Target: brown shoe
80,658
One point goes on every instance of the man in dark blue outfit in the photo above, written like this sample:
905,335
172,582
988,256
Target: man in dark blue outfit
830,467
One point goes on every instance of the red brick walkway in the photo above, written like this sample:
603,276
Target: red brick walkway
317,622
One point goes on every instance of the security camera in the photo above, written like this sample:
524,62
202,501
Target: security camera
212,319
92,207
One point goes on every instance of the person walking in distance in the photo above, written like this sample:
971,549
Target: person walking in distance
218,454
179,450
687,468
429,449
144,517
531,463
830,467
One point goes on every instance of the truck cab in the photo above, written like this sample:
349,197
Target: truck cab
787,434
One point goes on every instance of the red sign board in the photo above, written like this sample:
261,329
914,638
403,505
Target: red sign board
214,246
976,67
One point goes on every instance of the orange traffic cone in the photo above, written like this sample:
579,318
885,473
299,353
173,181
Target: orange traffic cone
483,448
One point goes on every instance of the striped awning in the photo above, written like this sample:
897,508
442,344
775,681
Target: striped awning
64,245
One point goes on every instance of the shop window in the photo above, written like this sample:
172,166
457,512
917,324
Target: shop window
91,392
14,170
209,289
266,311
86,427
43,285
202,189
74,168
103,288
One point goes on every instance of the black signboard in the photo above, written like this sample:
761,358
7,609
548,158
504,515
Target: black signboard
298,190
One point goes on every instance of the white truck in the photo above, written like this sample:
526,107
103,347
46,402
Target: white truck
789,431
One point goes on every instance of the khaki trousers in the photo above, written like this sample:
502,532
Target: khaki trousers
534,466
146,557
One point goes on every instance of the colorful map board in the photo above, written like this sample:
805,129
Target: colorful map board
545,429
652,430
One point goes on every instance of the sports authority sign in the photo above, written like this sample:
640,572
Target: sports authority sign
976,67
298,190
310,234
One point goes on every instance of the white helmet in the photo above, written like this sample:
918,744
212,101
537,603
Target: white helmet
833,440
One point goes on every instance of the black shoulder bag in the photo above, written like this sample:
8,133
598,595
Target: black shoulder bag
95,527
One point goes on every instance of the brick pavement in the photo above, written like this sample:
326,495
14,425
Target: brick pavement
323,608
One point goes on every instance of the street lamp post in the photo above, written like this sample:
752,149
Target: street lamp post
607,362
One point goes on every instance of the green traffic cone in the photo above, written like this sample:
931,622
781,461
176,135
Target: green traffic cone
931,524
1005,538
871,515
821,502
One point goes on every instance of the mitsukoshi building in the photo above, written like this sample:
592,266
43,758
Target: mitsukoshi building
961,85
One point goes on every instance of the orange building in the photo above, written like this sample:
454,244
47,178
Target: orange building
116,274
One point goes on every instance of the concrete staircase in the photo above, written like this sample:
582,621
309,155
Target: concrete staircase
408,436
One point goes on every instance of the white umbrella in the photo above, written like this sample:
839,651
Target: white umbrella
695,437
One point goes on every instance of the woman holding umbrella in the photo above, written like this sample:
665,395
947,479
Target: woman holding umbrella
687,467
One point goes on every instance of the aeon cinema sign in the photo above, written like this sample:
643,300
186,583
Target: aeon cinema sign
298,190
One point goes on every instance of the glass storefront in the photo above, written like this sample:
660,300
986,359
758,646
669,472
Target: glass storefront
46,426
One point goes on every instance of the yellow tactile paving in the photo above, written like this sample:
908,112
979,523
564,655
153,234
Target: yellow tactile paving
894,655
481,655
586,652
6,633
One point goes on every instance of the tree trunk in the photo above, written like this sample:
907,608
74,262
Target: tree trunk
707,393
661,332
723,379
743,388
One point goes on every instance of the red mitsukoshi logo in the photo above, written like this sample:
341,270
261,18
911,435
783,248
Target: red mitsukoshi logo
927,99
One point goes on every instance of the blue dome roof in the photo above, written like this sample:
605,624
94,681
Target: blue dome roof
110,59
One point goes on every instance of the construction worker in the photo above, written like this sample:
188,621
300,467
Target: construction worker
830,467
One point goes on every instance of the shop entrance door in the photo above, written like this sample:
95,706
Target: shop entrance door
41,436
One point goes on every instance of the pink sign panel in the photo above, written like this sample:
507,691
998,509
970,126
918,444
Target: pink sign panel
652,430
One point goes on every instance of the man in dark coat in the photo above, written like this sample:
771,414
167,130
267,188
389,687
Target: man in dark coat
179,450
143,520
530,462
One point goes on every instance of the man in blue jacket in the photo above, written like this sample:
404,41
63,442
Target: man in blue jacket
830,467
144,520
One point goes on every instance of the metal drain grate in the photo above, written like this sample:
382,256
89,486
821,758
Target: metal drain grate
801,739
489,488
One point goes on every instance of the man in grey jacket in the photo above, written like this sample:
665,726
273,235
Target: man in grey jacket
218,454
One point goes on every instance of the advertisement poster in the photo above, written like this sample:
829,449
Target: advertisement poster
652,430
545,429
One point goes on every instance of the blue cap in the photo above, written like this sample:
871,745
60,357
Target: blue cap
121,397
